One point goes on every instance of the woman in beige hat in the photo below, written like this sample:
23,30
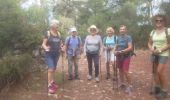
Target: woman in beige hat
93,49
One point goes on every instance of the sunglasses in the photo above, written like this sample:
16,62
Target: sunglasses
92,29
158,20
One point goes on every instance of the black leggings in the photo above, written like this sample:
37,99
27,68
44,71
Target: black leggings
90,59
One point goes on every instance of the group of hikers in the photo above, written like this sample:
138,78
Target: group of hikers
117,50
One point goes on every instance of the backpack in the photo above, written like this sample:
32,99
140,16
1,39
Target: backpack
49,34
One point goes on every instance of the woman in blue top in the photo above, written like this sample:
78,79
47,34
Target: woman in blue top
52,44
109,43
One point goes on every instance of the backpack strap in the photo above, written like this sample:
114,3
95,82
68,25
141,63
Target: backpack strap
48,34
79,40
152,33
115,39
104,41
68,42
166,32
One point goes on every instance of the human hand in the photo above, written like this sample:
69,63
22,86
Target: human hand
47,48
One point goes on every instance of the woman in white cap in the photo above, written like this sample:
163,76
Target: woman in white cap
73,49
52,45
93,50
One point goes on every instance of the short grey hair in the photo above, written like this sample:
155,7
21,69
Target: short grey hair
54,22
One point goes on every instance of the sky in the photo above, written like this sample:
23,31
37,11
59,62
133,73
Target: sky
28,3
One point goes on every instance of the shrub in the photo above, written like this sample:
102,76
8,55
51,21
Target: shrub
14,68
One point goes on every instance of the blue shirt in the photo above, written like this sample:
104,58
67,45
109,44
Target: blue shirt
123,42
73,44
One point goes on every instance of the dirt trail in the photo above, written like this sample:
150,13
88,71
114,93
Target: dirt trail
140,68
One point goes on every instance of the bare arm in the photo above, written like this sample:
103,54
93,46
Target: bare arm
129,48
44,44
150,43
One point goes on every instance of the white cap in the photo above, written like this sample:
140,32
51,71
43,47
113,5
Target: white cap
73,29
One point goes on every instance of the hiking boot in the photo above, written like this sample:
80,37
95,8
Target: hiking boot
122,86
70,77
108,76
161,94
89,77
156,90
51,89
77,77
97,79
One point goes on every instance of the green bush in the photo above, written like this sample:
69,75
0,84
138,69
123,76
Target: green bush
14,68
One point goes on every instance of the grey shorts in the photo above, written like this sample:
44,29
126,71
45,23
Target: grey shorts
160,59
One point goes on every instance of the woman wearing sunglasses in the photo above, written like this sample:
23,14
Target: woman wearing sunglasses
159,44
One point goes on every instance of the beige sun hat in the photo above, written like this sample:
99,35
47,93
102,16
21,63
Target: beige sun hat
93,27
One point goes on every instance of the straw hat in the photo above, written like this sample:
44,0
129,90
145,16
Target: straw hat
93,27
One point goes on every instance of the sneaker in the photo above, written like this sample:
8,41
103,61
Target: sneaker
97,79
156,90
129,90
54,85
89,77
51,89
161,94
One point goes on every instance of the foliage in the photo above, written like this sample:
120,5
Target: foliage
14,68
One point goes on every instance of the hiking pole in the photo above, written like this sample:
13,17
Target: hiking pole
100,67
115,72
154,67
108,63
62,65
